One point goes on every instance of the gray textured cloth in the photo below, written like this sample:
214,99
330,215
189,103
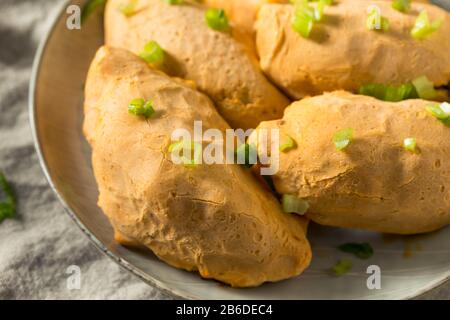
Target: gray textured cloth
39,245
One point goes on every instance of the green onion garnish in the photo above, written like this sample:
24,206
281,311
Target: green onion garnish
425,88
292,204
173,2
360,250
423,27
389,93
401,5
342,138
440,112
375,21
418,88
216,19
288,144
319,10
128,9
8,206
342,267
410,144
153,53
140,107
247,154
305,16
188,146
89,8
303,22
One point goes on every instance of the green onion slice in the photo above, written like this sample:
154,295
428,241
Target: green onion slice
89,8
305,16
153,53
440,112
292,204
401,5
319,10
421,87
342,267
289,144
375,21
423,27
303,23
247,154
193,148
128,9
360,250
425,88
410,144
389,93
173,2
216,19
343,138
8,206
140,107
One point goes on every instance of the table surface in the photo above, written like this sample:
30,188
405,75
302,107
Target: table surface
42,242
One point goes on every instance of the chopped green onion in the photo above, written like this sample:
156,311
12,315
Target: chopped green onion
389,93
305,16
173,2
418,88
303,23
8,206
342,138
375,21
445,106
360,250
423,27
89,8
410,144
216,19
140,107
401,5
342,267
425,88
440,111
292,204
128,9
187,146
247,154
374,90
288,145
319,10
402,92
153,53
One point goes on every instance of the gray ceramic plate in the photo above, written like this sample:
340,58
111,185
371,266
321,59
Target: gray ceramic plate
410,265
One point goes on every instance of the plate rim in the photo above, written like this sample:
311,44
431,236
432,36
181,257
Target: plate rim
146,278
